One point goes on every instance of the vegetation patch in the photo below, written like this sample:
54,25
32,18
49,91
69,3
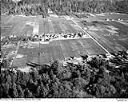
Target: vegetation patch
93,76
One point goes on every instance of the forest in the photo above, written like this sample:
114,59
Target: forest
40,7
99,76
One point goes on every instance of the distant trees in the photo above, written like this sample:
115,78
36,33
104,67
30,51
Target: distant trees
26,7
122,6
40,7
92,6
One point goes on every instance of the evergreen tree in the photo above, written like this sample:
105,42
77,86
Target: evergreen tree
20,92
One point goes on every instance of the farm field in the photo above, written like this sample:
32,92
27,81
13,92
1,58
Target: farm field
104,16
59,49
113,35
112,16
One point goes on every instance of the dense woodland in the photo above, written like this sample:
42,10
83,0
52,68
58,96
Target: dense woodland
98,76
40,7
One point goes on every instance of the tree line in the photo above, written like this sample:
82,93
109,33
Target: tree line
40,7
25,7
91,6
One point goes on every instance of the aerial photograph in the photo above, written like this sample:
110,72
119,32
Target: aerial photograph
64,49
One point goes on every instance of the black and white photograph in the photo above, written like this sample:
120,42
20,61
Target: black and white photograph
64,49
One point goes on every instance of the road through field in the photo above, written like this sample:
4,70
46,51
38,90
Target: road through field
55,49
61,49
92,37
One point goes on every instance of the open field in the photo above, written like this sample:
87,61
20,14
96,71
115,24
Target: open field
94,43
112,34
60,49
104,16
